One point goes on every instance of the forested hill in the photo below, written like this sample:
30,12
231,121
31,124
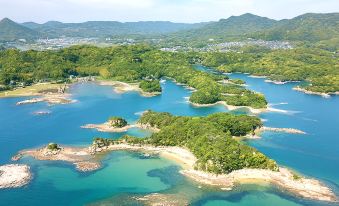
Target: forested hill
310,27
108,28
233,27
9,31
307,27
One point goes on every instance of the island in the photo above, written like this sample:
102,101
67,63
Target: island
205,148
114,124
14,175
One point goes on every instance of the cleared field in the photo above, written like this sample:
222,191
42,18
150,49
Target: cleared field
36,89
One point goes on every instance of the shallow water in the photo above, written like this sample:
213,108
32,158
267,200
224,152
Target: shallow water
128,174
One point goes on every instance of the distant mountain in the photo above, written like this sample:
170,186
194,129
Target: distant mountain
309,27
10,31
234,26
108,28
322,28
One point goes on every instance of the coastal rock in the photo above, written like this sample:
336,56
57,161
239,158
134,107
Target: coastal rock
50,99
107,127
157,199
284,179
122,87
87,166
14,175
325,95
286,130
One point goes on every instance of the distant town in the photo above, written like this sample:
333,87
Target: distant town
64,42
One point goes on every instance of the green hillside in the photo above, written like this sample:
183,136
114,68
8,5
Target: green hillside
307,27
108,28
10,31
235,27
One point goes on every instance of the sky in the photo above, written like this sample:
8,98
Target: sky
188,11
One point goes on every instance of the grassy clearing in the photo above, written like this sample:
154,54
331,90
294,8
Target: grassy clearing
33,90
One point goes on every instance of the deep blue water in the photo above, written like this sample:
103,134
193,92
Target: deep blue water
124,173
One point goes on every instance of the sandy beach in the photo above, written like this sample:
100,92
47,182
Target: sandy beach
84,160
14,175
231,107
122,87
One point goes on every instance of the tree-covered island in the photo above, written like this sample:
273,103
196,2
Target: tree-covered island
209,138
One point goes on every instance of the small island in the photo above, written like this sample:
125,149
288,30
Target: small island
113,124
205,148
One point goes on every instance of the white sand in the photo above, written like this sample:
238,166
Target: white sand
14,175
284,179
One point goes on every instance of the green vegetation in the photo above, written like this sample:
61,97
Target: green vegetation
53,146
123,63
208,138
11,31
117,122
319,68
230,29
296,176
237,81
150,85
319,29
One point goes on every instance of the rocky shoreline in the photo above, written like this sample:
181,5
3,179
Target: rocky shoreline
231,107
84,160
14,175
286,130
106,127
122,87
51,99
279,82
325,95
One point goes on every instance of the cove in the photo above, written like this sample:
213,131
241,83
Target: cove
126,173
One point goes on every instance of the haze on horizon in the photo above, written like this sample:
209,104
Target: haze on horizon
189,11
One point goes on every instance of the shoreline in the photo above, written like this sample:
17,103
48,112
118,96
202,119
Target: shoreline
322,94
231,107
84,160
14,175
280,82
297,88
285,130
51,99
258,131
123,87
106,127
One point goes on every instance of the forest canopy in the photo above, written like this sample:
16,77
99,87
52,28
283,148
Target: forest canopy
136,63
208,138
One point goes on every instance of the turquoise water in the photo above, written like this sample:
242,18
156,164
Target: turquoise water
126,174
